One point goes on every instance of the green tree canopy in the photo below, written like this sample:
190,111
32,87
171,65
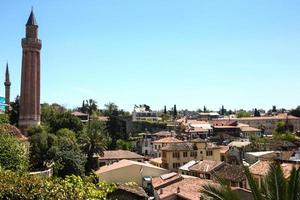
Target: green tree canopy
242,113
274,186
124,145
14,111
93,142
68,159
61,151
89,107
13,155
64,120
27,187
296,112
43,147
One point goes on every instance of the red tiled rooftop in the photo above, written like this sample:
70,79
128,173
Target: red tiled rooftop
168,140
261,168
184,187
224,149
205,166
156,160
120,154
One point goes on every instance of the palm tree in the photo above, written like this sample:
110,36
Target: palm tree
111,109
93,142
275,186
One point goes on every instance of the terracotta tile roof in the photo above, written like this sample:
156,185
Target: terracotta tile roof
134,189
205,166
287,168
164,133
168,140
156,160
184,187
224,149
224,123
124,163
188,165
261,168
120,154
231,172
179,147
165,180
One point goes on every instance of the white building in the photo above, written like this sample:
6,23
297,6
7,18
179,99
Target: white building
144,113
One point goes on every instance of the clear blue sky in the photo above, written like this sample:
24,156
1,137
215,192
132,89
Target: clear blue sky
240,54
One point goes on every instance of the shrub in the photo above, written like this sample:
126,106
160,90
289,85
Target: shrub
23,186
13,154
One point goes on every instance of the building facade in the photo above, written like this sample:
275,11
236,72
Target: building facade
177,154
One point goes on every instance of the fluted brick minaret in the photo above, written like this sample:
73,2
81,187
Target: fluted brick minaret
30,77
7,84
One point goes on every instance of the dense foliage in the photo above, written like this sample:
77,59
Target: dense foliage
282,132
4,119
275,186
24,186
13,154
92,142
60,149
242,113
14,111
296,112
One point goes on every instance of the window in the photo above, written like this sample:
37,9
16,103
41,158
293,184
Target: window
176,165
193,154
155,146
146,143
164,154
185,154
175,154
222,158
209,153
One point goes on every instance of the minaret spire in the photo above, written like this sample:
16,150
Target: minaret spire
31,20
7,84
30,77
7,78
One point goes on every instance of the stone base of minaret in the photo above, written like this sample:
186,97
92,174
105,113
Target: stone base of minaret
26,124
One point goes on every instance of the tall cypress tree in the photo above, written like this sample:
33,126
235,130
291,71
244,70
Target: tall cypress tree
165,110
175,111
